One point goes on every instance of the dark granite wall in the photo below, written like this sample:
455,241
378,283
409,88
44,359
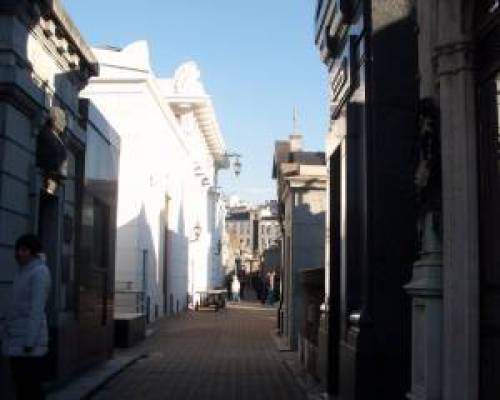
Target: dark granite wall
373,67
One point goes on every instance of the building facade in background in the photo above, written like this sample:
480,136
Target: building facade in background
51,185
240,239
301,185
169,212
250,231
269,231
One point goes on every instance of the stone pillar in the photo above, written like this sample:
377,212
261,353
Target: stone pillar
427,314
454,61
425,287
447,79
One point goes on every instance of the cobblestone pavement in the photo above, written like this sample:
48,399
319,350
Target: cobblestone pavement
209,355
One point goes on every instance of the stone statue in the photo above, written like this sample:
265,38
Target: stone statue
187,79
428,170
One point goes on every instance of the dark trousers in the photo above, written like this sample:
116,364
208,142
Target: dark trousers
27,375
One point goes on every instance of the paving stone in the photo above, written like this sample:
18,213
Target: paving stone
209,355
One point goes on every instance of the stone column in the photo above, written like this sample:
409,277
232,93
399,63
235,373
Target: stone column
427,313
454,61
425,287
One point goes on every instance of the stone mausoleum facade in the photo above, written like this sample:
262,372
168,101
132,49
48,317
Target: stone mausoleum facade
301,185
370,51
50,182
170,212
414,185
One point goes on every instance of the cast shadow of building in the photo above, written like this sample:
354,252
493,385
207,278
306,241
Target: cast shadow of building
375,242
174,256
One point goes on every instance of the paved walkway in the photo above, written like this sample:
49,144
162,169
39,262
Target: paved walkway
209,355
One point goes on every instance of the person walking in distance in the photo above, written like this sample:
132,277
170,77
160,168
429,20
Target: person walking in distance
26,333
235,288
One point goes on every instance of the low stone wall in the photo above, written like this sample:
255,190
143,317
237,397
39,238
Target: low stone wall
130,329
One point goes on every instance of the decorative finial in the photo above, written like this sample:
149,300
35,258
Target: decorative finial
295,138
295,120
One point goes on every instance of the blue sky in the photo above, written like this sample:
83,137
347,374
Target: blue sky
257,59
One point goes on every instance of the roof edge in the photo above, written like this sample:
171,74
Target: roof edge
74,33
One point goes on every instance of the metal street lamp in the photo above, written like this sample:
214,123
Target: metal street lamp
218,248
237,266
197,231
236,164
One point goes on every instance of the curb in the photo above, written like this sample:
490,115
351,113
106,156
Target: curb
279,342
310,387
88,384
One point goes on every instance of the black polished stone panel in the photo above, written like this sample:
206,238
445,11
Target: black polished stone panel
374,93
96,261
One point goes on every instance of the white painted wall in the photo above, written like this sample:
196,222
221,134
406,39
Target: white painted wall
165,154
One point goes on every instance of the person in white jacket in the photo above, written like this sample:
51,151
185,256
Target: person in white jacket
235,288
25,339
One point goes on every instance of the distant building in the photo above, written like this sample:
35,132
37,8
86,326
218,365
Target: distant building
239,227
249,232
234,202
269,231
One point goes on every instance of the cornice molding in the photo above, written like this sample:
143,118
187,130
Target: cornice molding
72,36
188,90
57,27
454,57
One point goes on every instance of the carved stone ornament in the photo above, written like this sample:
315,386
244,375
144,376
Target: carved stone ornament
57,120
187,79
50,184
51,152
428,149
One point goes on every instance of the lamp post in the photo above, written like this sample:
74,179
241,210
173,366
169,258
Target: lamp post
218,247
237,167
237,266
236,164
197,231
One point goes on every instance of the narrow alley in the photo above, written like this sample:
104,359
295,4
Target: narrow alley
221,200
228,354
